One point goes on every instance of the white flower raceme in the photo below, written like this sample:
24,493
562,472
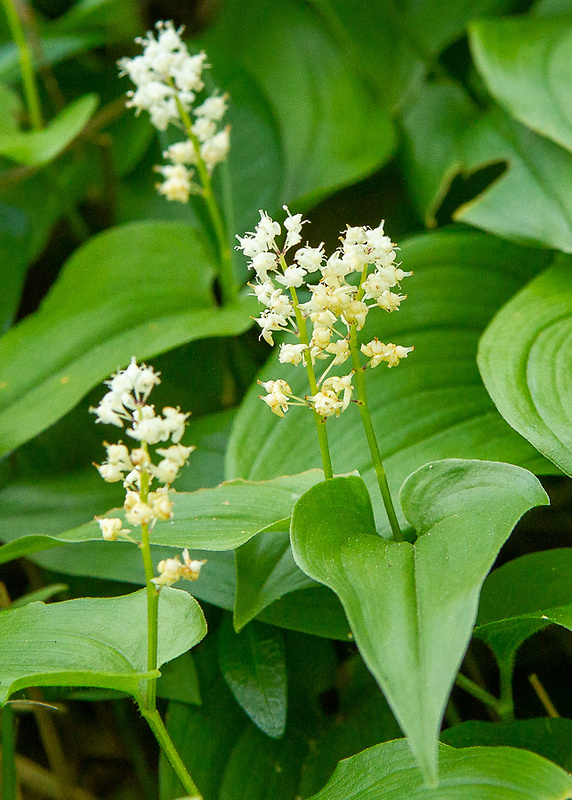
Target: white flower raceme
339,304
168,79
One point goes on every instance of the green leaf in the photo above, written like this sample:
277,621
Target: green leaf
550,738
328,130
210,519
402,40
527,65
435,127
524,356
55,49
107,305
179,681
93,642
265,572
35,148
253,665
420,412
524,596
411,637
388,772
539,170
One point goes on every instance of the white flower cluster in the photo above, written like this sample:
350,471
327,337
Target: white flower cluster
336,301
168,79
171,569
126,402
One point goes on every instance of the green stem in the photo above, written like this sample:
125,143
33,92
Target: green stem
506,697
320,423
481,694
152,598
371,438
26,68
9,776
166,744
226,276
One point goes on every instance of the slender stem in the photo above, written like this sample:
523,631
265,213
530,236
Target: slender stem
371,437
320,423
9,776
152,598
26,68
542,695
166,744
481,694
226,275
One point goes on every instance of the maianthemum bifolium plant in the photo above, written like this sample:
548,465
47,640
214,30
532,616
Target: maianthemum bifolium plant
364,638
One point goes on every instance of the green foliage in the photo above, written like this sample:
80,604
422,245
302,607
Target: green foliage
92,642
477,773
453,122
412,637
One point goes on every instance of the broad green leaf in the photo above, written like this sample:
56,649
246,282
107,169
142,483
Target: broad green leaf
434,405
388,772
551,738
526,62
93,641
524,358
538,169
210,519
253,665
411,637
330,132
109,304
35,148
435,126
524,596
265,572
36,513
402,39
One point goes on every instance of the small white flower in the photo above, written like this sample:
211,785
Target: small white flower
111,528
175,421
177,453
213,108
177,183
139,513
291,353
293,276
326,404
215,149
277,398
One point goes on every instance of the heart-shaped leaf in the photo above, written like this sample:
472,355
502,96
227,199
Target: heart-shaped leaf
524,358
388,772
93,641
149,290
411,636
35,148
526,62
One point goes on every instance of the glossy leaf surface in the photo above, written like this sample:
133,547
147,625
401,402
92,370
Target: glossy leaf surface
84,330
253,665
411,637
524,358
388,772
93,641
210,519
527,65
